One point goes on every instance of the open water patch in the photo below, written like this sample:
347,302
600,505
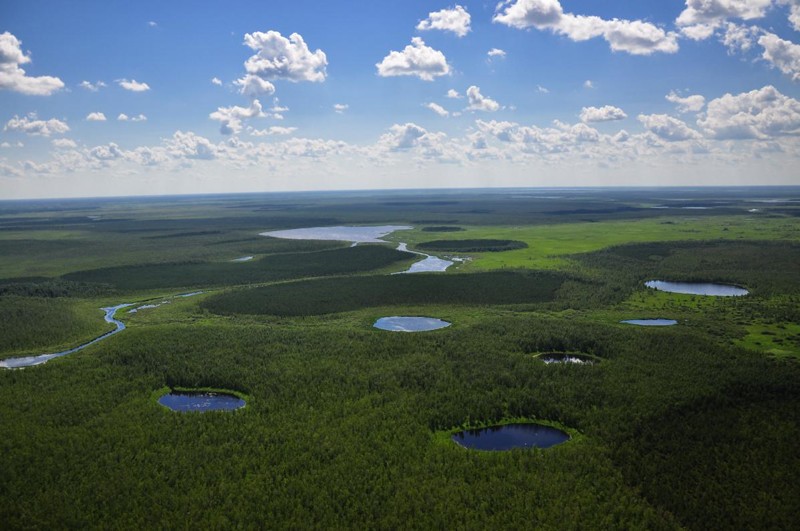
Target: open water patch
650,322
430,264
511,436
567,358
339,233
242,259
30,361
201,401
697,288
410,324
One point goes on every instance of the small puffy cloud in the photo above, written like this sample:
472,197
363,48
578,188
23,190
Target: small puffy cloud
782,54
715,12
14,78
588,84
108,152
693,103
9,145
339,108
92,87
33,126
738,38
479,102
456,20
542,90
216,81
64,143
275,130
402,137
230,118
125,118
280,58
152,24
96,117
416,59
668,128
607,113
758,114
631,36
133,85
191,146
452,93
496,52
253,85
438,109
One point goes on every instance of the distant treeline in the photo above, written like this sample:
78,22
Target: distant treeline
313,297
267,269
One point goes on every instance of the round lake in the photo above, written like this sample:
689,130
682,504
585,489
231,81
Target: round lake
200,401
651,322
566,358
410,324
511,436
697,288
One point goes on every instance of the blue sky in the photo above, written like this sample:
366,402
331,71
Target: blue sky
354,95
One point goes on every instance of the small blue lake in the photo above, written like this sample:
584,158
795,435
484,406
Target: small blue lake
511,436
697,288
410,324
184,401
651,322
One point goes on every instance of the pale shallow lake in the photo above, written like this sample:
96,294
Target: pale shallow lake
410,324
431,264
697,288
340,233
651,322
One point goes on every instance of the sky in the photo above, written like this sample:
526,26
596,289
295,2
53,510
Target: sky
115,98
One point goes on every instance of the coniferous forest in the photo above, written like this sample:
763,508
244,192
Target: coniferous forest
691,426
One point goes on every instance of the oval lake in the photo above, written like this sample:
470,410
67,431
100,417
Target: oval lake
651,322
697,288
410,324
511,436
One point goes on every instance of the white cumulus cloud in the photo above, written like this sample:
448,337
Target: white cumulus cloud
253,85
606,113
96,117
668,128
339,108
758,114
479,102
277,57
452,93
14,78
216,81
456,20
64,143
275,130
693,103
92,87
416,59
438,109
783,54
631,36
31,125
496,52
230,118
133,85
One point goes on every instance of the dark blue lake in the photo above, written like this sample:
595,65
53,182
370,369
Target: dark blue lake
697,288
200,401
651,322
511,436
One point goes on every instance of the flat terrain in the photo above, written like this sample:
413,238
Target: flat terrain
689,426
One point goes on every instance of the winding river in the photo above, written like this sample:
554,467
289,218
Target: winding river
30,361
